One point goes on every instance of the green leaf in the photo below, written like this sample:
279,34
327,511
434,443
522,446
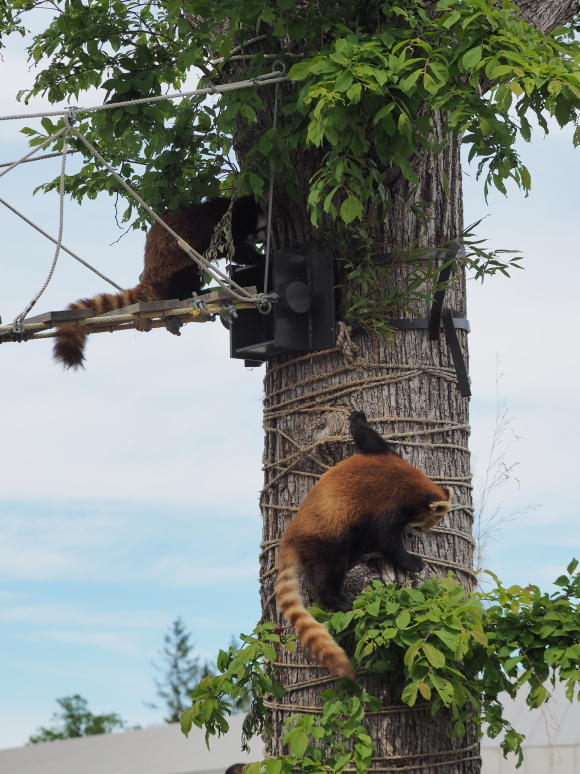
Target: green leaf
384,111
472,58
537,697
350,209
315,133
409,694
448,638
373,608
429,85
344,81
402,620
443,688
404,125
273,766
411,653
434,655
425,691
525,178
409,82
450,20
300,70
354,93
479,637
574,563
297,738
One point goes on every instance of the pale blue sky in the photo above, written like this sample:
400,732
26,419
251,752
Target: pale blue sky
129,491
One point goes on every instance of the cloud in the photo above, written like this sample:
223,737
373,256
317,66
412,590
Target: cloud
122,545
182,571
127,643
63,615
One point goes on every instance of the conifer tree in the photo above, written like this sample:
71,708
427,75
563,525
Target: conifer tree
181,671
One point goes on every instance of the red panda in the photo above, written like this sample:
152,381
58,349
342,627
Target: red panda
361,505
168,271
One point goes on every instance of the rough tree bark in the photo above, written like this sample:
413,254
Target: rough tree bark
408,390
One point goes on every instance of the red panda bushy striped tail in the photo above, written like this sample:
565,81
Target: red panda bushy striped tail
313,636
71,339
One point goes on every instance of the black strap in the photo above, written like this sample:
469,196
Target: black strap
422,323
439,295
441,317
456,353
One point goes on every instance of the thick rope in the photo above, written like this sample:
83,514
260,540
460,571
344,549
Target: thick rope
25,158
34,299
259,80
345,343
270,196
38,158
389,710
111,323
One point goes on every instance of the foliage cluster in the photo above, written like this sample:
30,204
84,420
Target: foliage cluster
369,294
75,720
450,649
365,85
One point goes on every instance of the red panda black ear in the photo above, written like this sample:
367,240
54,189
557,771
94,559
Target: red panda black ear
448,491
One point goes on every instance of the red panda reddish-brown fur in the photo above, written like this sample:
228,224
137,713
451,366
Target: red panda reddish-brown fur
361,505
168,271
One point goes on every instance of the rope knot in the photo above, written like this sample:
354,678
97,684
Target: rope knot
345,343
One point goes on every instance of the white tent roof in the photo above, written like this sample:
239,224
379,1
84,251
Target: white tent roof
159,750
552,745
555,724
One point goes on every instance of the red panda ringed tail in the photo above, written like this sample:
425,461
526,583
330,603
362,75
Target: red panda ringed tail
168,271
362,505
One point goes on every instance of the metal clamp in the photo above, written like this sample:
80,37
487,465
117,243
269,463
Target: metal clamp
173,324
71,115
18,331
228,313
197,303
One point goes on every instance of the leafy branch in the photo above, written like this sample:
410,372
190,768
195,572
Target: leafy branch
450,648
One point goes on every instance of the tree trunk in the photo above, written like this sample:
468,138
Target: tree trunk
408,390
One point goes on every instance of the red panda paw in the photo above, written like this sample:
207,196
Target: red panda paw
411,564
344,604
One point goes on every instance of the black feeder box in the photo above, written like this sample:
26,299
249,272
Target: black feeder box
304,317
